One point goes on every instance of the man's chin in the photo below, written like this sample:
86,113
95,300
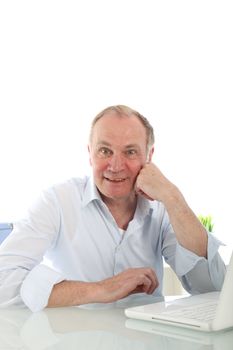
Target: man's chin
117,195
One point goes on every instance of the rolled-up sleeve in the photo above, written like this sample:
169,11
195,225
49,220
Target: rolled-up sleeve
37,286
198,274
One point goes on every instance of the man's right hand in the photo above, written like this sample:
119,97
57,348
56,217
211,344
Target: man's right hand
130,281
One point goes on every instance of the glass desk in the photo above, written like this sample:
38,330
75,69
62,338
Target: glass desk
98,327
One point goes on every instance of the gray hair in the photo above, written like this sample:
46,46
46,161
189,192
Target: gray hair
127,111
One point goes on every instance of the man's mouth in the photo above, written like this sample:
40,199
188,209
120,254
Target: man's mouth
115,180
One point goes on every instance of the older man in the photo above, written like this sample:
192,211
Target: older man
102,238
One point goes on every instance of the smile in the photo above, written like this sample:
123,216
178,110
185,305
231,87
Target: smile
115,180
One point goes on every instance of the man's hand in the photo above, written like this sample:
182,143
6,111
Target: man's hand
152,184
130,281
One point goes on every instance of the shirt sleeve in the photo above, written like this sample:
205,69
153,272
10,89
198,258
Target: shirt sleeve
21,256
198,274
37,286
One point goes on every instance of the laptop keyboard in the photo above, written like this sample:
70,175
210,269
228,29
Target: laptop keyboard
202,312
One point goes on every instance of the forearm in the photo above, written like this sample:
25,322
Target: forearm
189,231
130,281
70,293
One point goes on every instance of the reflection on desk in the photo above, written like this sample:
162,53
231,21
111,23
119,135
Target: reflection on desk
100,327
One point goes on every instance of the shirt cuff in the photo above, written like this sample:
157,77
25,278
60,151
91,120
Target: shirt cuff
187,260
37,286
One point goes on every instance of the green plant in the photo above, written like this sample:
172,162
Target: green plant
207,222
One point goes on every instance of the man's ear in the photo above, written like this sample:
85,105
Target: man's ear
89,151
150,154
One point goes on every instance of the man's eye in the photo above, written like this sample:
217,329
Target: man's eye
104,152
131,153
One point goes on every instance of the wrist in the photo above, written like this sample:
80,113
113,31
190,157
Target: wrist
89,292
172,197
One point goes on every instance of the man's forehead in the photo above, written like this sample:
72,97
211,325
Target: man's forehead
110,144
119,130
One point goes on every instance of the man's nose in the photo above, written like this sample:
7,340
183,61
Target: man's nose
116,163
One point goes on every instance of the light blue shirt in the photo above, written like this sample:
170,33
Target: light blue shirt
70,234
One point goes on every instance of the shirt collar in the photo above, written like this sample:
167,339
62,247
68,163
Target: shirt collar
90,192
144,206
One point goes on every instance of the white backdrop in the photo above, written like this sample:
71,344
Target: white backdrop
61,62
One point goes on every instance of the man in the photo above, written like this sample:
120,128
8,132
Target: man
103,238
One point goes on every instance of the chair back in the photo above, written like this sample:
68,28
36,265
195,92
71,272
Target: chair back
5,230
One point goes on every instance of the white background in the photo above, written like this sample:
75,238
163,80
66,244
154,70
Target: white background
61,62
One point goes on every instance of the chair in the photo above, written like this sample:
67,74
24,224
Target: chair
5,230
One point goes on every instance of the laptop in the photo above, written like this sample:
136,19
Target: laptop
206,312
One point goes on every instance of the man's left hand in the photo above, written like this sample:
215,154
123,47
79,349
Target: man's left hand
152,184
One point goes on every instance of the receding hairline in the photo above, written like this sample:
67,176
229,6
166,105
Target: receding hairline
125,111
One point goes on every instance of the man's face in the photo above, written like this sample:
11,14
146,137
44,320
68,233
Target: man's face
117,153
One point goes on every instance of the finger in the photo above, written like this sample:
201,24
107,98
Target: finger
154,280
143,286
147,281
146,286
138,190
144,194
